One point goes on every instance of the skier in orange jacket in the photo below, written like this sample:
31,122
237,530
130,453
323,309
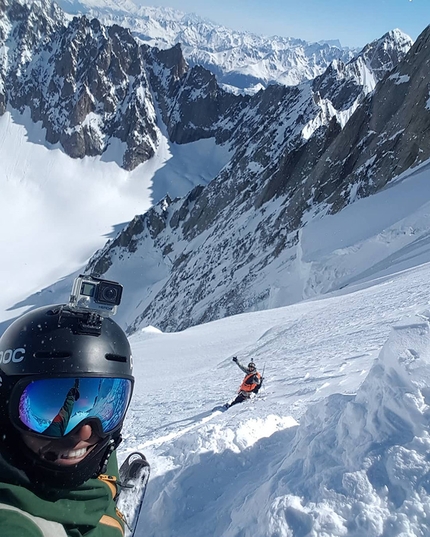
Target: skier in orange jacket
250,384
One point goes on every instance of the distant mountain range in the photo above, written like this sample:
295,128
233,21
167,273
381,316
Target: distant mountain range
241,61
297,153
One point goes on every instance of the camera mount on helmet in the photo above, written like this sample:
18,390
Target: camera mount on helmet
92,293
93,299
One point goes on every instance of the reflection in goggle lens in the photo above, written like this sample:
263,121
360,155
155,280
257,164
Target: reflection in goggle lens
56,406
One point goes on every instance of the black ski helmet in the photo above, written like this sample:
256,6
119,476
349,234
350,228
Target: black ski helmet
251,366
56,341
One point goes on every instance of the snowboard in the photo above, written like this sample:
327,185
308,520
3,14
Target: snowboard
133,476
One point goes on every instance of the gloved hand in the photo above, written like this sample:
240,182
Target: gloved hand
74,392
234,358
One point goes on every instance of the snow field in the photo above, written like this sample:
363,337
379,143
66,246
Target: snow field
334,445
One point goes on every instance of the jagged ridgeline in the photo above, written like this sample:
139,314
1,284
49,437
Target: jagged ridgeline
295,151
240,60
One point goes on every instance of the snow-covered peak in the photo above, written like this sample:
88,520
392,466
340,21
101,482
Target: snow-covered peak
380,51
283,143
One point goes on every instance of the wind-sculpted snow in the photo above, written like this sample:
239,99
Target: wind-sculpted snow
359,464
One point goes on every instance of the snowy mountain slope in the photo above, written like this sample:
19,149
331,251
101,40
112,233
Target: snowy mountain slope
329,253
240,60
274,137
236,245
277,138
238,471
336,444
85,83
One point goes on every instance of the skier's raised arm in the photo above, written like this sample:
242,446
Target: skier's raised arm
241,366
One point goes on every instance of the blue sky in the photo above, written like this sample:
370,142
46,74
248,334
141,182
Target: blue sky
354,22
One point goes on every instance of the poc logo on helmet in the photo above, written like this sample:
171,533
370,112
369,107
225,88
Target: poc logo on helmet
12,355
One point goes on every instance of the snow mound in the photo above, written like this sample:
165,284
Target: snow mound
150,330
359,465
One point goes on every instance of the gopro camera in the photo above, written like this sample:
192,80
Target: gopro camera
91,293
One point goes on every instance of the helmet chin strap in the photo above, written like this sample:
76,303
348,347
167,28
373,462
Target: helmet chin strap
112,445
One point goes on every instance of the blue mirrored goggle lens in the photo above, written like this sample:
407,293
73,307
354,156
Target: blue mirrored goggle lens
56,406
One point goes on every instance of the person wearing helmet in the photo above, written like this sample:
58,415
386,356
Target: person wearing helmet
65,386
250,384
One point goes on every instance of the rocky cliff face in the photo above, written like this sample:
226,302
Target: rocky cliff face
387,135
344,84
86,83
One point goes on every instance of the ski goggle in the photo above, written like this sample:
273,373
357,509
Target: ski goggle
55,406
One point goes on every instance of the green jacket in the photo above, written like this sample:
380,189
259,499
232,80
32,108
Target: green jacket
88,511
